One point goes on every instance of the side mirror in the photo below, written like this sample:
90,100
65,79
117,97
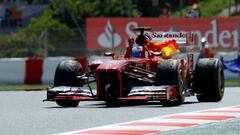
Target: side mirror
157,53
109,54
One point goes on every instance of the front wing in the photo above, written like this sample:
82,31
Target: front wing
69,93
148,93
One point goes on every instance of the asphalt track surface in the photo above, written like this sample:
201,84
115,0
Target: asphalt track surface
24,113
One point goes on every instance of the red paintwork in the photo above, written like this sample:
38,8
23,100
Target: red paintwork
121,63
145,97
72,97
171,93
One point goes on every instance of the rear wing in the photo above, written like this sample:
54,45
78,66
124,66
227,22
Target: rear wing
185,40
182,38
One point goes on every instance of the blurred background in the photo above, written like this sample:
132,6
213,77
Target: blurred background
83,28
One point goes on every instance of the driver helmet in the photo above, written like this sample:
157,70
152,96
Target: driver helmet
137,51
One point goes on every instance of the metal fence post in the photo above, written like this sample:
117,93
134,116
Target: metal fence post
45,43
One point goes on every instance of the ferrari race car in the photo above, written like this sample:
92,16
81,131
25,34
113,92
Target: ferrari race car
161,77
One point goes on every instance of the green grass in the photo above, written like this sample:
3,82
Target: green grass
208,8
23,87
232,83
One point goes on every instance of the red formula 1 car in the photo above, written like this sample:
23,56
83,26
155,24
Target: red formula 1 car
154,78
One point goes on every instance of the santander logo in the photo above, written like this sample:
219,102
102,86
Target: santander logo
220,33
109,38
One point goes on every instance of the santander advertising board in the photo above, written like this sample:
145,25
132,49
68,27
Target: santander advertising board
113,33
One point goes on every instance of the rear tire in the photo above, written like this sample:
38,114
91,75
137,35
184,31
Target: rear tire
209,80
66,75
171,73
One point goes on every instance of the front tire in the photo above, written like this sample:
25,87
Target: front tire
67,103
67,72
209,80
171,73
66,75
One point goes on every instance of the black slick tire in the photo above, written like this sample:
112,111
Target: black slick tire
67,72
171,73
67,103
209,80
66,75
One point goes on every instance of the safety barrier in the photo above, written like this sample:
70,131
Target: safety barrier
33,70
